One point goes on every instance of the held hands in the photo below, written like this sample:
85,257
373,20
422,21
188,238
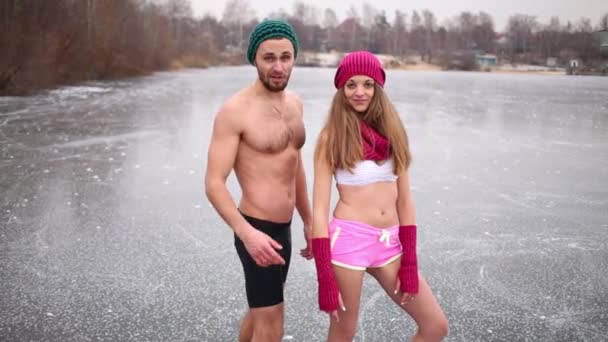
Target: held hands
262,248
306,252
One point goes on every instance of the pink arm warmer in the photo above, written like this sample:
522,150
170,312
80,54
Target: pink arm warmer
408,272
328,288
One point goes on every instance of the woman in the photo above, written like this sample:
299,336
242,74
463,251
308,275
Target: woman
365,147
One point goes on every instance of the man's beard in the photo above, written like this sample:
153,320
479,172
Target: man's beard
269,86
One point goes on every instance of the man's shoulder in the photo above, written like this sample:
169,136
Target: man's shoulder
230,113
295,100
293,97
233,105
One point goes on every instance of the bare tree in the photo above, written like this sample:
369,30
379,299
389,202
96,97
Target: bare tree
417,33
238,11
430,25
300,10
305,21
584,25
379,33
352,13
330,21
177,11
549,38
521,28
467,21
43,43
237,14
368,21
281,14
604,22
583,41
369,14
483,33
212,35
308,14
352,26
399,33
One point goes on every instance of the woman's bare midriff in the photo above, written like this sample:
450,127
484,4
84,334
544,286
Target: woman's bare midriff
374,204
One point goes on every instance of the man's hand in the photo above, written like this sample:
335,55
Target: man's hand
262,248
306,252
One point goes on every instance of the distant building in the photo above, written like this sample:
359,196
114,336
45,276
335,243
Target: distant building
600,40
551,62
316,59
502,41
486,60
574,63
573,67
388,60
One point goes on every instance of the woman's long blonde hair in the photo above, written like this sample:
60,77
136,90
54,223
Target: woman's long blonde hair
342,134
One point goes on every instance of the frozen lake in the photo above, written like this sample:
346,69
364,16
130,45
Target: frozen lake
106,235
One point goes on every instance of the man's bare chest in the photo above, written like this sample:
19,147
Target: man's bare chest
272,133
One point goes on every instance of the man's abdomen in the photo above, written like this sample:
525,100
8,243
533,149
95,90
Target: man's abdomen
268,200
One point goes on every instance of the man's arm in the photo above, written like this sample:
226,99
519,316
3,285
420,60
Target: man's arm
221,157
303,207
302,203
220,161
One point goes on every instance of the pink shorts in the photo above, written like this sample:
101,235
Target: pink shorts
359,246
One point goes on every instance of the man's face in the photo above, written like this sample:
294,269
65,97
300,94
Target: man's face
274,61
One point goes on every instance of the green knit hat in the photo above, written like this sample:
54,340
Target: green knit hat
270,29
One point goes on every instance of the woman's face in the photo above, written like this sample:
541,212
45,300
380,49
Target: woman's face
359,91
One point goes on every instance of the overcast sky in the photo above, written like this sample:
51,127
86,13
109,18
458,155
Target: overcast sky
499,10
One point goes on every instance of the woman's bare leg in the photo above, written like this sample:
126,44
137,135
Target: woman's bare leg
349,283
424,309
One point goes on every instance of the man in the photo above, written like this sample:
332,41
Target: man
259,133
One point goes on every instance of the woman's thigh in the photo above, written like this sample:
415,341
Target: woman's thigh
349,282
424,308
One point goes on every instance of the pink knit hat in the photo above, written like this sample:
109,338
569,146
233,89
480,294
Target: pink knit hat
359,63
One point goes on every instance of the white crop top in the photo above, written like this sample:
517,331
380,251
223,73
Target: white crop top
366,172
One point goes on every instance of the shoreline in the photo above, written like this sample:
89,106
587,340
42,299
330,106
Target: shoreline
495,69
417,67
436,68
410,67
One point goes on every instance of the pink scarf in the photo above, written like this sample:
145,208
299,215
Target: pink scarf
375,145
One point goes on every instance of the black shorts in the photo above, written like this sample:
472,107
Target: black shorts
264,285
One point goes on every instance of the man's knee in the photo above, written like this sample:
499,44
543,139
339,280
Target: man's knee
267,332
267,323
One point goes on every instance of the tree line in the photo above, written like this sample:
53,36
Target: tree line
45,43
